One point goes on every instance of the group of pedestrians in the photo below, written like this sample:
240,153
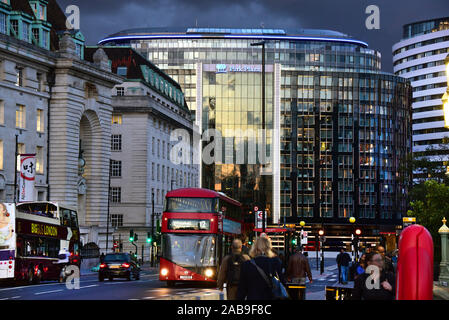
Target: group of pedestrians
249,275
374,274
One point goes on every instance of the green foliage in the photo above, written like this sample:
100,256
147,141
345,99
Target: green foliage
430,208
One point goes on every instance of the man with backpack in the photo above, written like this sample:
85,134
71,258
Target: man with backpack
229,272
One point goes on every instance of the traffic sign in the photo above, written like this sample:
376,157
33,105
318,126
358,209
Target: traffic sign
303,237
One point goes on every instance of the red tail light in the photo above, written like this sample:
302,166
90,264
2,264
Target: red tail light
103,265
125,265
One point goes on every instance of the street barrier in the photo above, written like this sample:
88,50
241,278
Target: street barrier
414,280
338,293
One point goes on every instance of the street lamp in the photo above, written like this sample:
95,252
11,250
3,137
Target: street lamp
302,224
352,221
262,187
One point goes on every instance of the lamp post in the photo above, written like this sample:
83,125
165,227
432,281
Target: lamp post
322,239
262,187
302,224
352,221
152,228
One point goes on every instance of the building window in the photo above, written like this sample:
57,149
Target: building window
39,80
117,220
40,120
122,71
152,171
152,145
19,77
116,119
20,150
15,28
35,35
40,160
2,112
1,154
45,39
116,142
25,31
79,50
3,26
115,194
116,168
20,116
120,91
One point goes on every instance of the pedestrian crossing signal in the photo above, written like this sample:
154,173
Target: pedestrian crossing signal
149,238
294,241
131,235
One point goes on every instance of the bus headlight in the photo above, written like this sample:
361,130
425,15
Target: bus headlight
209,273
164,272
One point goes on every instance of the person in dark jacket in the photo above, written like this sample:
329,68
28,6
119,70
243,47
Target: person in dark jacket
382,285
297,271
343,260
252,285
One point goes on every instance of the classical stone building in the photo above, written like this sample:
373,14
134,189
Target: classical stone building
49,96
148,106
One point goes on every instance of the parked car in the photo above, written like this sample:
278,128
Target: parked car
119,265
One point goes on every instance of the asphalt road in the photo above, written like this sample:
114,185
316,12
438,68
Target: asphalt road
147,288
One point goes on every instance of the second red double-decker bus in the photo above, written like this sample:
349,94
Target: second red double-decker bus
198,226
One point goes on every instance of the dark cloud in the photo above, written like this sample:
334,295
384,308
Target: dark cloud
100,18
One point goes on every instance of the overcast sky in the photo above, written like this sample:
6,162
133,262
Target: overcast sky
100,18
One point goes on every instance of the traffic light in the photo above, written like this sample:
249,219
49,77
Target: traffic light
131,235
294,241
149,237
358,232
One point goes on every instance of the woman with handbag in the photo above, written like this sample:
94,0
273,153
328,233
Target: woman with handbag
261,278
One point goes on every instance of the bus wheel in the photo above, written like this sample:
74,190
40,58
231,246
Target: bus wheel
170,284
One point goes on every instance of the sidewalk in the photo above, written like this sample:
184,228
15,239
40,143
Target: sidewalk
440,292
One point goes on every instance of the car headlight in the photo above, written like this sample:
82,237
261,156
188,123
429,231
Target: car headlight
209,273
164,271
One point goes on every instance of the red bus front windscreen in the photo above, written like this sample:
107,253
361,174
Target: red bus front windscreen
190,250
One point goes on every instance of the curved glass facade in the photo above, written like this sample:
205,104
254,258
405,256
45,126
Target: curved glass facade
340,127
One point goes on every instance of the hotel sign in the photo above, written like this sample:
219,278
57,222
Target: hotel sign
228,68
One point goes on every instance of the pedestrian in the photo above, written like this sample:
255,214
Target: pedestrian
389,262
229,271
253,285
297,271
361,266
283,263
245,246
381,286
102,257
343,260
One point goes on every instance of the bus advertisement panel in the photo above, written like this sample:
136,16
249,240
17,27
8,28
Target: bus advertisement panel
7,240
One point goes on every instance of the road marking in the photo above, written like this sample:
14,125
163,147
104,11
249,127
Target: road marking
147,298
4,298
16,297
92,285
44,292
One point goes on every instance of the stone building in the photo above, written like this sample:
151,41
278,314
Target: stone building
148,106
49,96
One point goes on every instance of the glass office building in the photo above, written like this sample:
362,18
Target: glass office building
340,127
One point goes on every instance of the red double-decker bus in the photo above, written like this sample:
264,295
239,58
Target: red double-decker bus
198,226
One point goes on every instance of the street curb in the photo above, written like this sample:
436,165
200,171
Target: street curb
196,296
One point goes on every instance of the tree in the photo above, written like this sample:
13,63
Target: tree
430,210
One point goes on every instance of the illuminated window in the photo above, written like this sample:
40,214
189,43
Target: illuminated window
40,120
40,160
19,77
116,119
20,116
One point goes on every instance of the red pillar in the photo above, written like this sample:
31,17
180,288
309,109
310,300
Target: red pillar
414,279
